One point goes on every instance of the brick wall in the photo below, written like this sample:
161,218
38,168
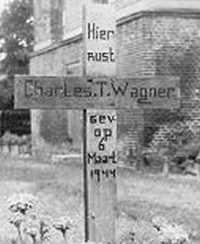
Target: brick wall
160,44
173,42
148,44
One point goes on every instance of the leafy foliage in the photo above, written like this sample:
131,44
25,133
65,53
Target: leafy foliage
16,37
16,43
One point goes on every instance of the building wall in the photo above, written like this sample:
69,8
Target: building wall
57,62
72,16
145,41
42,16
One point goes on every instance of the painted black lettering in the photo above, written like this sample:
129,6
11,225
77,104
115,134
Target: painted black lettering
48,92
104,159
102,119
97,172
58,91
101,86
94,32
152,92
161,92
107,133
110,33
97,132
134,92
91,31
91,157
77,91
87,92
94,158
101,56
28,88
118,90
105,172
66,90
90,56
101,144
169,91
113,172
97,32
98,56
93,119
111,118
38,89
143,95
112,55
98,159
102,34
112,157
105,57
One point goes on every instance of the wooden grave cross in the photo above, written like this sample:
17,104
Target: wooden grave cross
100,91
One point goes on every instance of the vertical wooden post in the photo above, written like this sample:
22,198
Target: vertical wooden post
165,166
85,174
86,222
100,129
101,174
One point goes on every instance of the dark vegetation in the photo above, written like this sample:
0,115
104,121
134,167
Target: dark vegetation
16,44
16,36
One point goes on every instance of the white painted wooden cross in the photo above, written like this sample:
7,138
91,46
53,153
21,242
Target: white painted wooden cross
100,91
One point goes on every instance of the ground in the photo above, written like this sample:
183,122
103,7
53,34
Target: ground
59,190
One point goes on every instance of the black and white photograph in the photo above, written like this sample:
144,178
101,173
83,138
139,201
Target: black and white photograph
99,122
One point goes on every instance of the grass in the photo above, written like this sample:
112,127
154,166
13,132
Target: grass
58,188
148,195
141,197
